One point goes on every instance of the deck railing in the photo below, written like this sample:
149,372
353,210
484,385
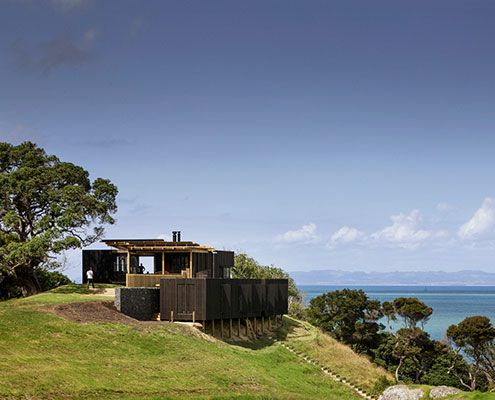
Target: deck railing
148,280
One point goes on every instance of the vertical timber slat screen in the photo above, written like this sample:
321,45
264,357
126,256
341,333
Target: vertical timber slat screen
217,299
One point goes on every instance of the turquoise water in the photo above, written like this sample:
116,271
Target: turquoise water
451,304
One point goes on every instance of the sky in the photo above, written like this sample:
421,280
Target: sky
351,135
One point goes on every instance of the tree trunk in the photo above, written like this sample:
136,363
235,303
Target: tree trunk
397,369
27,280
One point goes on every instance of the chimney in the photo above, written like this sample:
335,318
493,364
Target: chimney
174,236
178,236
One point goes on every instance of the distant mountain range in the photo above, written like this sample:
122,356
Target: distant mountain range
422,278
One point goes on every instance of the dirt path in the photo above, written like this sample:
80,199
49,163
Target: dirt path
91,311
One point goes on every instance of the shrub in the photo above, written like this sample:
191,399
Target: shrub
380,385
51,279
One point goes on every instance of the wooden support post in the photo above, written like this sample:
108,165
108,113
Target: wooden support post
269,323
247,327
238,327
213,327
262,325
194,316
163,263
255,326
128,262
171,315
190,265
221,328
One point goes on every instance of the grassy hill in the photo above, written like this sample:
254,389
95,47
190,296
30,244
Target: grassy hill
46,356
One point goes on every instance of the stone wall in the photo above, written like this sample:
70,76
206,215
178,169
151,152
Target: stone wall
142,303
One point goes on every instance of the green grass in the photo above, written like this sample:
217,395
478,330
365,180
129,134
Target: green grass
43,356
47,357
340,358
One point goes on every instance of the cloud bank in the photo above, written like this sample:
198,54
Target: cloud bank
481,223
307,233
346,235
406,231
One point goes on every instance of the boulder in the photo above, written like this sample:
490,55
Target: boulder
443,391
401,392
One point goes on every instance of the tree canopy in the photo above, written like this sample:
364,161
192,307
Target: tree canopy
348,315
46,207
410,309
475,337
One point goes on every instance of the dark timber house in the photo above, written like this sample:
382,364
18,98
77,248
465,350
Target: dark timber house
190,282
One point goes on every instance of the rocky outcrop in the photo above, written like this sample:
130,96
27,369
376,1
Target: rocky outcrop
401,392
439,392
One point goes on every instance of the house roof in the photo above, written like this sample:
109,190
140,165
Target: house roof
155,245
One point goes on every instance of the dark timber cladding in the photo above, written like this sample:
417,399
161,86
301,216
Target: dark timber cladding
176,259
216,299
107,266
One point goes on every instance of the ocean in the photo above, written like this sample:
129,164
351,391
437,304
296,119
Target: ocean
451,304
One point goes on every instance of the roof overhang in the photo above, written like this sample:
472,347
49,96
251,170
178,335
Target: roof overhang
156,245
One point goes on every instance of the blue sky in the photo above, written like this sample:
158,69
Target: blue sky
309,134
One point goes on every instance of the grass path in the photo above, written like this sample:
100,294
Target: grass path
337,357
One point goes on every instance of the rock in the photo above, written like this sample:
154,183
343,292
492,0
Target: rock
443,391
401,392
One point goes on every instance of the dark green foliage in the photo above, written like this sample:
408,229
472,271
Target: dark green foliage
444,370
349,316
475,338
51,279
410,309
380,385
383,353
409,353
473,333
46,207
415,353
247,267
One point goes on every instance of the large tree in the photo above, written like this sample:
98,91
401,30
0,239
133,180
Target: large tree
410,309
475,338
348,315
46,207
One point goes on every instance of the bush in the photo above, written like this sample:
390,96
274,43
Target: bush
51,279
380,385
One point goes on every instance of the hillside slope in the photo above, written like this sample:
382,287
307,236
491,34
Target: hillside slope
339,358
69,344
45,356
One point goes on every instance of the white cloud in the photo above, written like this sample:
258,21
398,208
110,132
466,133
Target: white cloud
404,231
345,235
307,233
481,223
